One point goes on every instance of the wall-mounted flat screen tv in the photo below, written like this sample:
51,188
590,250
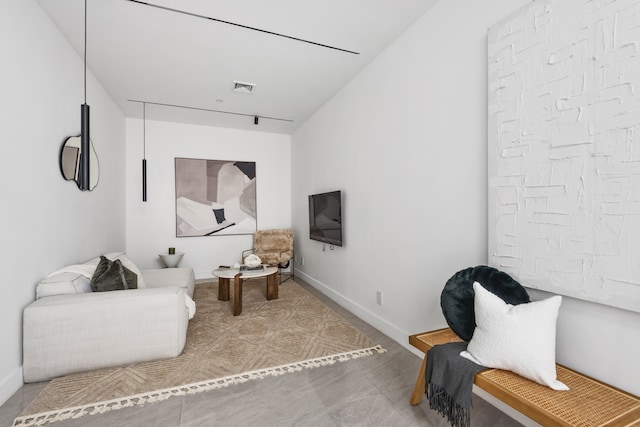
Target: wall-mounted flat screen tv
325,217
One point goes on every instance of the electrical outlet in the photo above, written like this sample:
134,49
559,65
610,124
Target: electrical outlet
302,260
379,297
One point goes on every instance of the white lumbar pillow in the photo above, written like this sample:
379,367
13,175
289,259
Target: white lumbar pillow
519,338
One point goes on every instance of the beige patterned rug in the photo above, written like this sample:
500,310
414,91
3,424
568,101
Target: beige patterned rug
275,337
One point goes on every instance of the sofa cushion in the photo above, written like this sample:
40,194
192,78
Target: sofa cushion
112,276
126,261
62,284
88,268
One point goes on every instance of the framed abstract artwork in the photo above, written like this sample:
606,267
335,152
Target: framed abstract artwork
215,197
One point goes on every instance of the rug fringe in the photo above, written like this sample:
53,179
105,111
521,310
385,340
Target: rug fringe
199,387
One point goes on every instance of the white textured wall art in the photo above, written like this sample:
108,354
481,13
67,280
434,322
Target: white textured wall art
564,148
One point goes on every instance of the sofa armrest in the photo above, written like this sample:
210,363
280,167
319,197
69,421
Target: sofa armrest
65,334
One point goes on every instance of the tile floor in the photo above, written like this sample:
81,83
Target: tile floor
371,391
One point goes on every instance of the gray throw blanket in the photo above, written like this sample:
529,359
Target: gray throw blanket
449,381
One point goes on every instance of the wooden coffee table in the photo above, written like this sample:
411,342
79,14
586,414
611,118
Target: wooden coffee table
225,275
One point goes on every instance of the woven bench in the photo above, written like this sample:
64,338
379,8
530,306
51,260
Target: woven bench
588,403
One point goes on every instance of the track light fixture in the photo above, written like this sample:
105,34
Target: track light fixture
232,113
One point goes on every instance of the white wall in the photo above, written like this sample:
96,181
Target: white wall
151,225
406,141
47,221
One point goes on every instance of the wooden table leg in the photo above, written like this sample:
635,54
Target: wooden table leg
272,286
223,289
237,294
418,390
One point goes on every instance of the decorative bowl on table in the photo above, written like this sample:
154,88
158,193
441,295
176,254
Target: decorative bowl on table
252,261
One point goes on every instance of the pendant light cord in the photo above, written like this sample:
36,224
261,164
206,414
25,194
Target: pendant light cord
144,151
85,51
144,130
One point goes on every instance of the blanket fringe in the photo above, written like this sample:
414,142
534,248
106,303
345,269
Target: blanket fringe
159,395
446,406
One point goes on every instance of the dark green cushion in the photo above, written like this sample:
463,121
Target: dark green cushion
112,276
457,298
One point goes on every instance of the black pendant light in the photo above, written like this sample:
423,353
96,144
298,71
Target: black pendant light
144,151
85,144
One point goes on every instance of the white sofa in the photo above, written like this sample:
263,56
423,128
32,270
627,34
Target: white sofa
69,328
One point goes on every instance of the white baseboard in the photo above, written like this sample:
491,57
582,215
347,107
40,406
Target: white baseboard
10,384
389,329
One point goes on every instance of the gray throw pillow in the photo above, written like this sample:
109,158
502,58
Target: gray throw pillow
112,276
219,214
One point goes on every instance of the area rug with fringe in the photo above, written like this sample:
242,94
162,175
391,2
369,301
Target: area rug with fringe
275,337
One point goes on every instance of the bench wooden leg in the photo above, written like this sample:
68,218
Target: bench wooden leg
418,390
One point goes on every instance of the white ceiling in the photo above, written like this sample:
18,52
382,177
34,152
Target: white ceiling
142,52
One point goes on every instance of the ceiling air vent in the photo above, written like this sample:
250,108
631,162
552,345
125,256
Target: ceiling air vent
243,87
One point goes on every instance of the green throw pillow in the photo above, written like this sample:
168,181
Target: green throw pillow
112,276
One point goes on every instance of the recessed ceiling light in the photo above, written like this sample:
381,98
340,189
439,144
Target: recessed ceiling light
243,87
